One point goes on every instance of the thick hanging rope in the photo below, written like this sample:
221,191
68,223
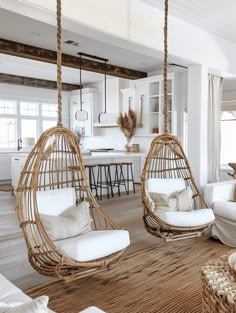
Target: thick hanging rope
59,84
165,109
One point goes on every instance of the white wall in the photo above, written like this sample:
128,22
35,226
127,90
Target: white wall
135,25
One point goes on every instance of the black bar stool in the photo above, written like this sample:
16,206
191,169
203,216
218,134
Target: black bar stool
119,178
104,171
91,176
129,175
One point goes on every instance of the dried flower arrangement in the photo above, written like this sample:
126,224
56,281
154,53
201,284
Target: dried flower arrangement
127,125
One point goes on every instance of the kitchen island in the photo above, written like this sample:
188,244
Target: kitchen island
18,160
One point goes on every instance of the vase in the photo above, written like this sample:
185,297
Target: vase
128,146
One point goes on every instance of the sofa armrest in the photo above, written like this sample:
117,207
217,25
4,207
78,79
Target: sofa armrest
222,191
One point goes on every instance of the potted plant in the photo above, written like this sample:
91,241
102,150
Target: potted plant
127,125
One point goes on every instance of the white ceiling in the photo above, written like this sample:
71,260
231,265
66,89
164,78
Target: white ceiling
22,29
215,16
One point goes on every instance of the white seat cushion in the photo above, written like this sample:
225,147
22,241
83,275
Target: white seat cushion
92,309
225,209
55,202
166,186
94,244
187,219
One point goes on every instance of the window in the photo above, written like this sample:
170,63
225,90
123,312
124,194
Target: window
29,108
48,124
7,107
228,131
8,138
49,110
22,119
29,128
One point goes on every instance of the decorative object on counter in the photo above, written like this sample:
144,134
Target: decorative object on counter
167,170
233,165
127,125
53,180
140,123
135,147
155,130
81,115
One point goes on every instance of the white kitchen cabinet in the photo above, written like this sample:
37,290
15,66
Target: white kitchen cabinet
5,167
17,164
149,93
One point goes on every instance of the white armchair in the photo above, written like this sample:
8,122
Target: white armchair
222,198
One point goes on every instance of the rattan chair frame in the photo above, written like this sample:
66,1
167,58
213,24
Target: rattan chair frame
166,159
56,162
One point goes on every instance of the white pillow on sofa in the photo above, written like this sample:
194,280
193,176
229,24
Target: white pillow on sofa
70,223
38,305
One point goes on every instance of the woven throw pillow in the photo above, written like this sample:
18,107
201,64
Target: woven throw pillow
184,199
163,203
38,305
71,223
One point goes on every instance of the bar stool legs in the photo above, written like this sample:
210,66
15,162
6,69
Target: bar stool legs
92,180
129,175
104,171
119,178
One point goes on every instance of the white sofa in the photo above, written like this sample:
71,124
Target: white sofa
221,197
10,294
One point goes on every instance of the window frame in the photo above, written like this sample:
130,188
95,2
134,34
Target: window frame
39,117
226,106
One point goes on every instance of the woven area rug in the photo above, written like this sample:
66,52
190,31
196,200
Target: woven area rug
164,279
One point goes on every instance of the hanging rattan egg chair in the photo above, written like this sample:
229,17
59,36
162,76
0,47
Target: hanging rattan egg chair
53,177
166,170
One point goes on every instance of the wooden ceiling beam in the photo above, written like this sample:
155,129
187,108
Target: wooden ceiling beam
34,82
49,56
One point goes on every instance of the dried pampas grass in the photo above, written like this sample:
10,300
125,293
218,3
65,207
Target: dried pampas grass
127,124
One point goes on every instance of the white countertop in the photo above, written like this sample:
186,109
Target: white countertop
94,155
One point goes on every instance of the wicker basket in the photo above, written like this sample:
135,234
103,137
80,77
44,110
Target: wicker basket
219,287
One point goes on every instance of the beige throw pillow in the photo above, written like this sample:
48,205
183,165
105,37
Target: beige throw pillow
179,201
70,223
38,305
163,203
184,199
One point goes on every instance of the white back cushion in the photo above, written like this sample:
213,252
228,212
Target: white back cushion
165,185
55,202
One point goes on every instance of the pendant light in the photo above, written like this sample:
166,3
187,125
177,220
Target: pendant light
81,115
105,95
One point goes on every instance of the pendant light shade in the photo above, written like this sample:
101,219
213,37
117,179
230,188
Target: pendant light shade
81,115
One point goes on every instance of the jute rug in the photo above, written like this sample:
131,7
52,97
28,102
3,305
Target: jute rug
163,279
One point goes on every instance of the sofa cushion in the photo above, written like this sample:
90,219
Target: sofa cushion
94,244
187,219
70,223
225,209
166,186
38,305
55,202
10,293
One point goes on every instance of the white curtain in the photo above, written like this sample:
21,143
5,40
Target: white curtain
214,117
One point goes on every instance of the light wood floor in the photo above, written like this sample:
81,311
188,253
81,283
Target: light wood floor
126,210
